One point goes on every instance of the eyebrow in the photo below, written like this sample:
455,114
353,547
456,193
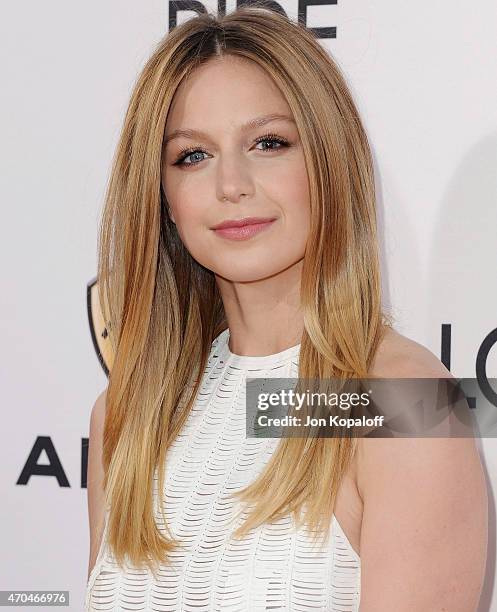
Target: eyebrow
249,125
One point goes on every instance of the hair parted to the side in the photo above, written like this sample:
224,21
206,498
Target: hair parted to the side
163,309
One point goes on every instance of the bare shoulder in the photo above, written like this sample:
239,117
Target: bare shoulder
397,356
401,357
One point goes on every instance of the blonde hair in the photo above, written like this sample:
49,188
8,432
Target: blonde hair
163,309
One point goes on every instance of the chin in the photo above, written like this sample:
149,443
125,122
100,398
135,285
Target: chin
246,273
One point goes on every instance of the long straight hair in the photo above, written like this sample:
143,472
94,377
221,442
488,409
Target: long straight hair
163,309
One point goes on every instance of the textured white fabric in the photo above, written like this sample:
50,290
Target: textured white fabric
275,567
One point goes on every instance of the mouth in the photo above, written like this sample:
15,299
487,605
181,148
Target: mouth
242,229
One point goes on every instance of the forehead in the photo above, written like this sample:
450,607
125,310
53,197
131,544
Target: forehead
223,94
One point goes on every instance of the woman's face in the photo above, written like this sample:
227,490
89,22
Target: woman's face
259,170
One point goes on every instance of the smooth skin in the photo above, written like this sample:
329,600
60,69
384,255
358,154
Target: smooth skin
415,510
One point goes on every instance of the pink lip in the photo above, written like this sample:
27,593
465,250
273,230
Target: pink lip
242,222
244,229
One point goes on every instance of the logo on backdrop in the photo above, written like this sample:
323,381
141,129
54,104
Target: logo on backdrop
176,6
98,329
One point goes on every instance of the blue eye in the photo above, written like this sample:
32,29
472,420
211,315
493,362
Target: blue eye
186,153
272,138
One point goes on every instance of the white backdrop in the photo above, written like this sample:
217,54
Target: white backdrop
424,76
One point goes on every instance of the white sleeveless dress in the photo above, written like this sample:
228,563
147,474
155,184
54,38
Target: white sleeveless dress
275,567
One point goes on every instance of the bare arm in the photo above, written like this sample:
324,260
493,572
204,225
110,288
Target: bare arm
96,498
424,528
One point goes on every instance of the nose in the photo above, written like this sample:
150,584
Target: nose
234,179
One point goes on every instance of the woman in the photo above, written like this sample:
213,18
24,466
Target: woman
246,116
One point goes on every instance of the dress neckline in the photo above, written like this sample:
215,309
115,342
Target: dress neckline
254,361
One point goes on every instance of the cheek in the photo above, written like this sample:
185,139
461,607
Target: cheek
293,196
191,220
182,188
188,220
184,200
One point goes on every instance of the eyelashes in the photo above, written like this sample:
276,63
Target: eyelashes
272,138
